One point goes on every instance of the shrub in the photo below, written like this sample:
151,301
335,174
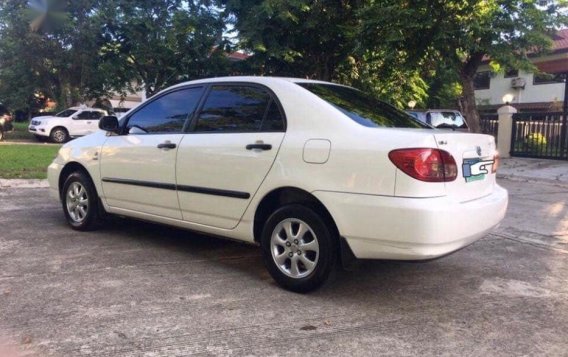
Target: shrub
535,142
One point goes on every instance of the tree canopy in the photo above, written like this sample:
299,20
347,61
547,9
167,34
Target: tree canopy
161,42
460,34
423,50
82,50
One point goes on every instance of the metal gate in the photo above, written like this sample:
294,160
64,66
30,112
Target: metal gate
489,124
540,135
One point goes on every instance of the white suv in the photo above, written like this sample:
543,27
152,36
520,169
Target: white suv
70,123
315,173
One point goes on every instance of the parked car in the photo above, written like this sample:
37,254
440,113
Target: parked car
70,123
441,118
120,112
315,173
5,122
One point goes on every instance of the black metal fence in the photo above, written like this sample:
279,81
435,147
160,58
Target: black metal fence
540,135
489,124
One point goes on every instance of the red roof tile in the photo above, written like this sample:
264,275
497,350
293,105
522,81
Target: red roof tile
238,56
560,40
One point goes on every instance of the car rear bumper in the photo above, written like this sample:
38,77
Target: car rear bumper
380,227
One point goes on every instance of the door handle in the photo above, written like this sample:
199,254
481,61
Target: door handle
259,146
167,145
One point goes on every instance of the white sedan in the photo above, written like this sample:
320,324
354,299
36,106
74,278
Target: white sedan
315,173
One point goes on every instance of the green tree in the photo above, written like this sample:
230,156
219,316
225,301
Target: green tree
295,37
75,51
461,34
56,56
156,43
319,40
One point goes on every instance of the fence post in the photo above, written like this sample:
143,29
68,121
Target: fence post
505,130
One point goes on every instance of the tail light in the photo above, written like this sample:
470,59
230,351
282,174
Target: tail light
424,164
495,166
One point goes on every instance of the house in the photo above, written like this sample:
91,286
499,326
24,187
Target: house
524,90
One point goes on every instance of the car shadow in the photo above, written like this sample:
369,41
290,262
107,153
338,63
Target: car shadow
376,279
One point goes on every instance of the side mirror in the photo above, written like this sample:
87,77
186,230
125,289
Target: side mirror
109,123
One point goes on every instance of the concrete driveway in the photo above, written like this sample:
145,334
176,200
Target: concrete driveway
137,289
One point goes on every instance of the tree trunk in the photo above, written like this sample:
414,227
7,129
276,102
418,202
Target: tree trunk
468,104
468,71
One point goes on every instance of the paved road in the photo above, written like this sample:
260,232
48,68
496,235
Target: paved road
137,289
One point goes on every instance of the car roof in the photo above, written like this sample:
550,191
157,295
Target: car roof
432,110
254,79
85,108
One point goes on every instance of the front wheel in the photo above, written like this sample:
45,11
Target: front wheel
299,248
59,135
80,202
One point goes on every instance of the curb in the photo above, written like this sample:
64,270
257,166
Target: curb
23,183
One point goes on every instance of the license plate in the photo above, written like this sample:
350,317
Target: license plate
476,169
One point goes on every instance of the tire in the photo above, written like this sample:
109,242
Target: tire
1,134
292,259
80,202
59,135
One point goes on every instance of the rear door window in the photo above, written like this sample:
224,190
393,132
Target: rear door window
83,116
96,115
239,109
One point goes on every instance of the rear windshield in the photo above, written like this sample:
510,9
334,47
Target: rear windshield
446,120
362,108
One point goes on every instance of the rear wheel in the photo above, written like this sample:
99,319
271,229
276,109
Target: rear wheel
80,202
299,249
59,135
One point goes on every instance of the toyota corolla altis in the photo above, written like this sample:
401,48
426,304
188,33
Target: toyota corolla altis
313,172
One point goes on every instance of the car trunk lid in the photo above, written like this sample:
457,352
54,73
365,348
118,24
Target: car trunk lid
474,155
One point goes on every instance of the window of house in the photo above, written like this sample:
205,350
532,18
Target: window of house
548,78
511,73
482,80
236,108
167,113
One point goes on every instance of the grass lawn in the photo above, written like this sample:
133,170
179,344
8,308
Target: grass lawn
26,161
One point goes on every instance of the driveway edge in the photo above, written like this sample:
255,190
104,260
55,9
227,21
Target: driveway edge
23,183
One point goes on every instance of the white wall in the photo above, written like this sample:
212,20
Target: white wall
501,86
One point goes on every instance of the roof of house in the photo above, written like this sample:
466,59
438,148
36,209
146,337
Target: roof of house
560,40
238,56
559,45
559,48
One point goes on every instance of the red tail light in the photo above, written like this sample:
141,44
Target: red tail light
430,165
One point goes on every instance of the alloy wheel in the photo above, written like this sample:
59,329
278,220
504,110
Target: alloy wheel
77,201
295,248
